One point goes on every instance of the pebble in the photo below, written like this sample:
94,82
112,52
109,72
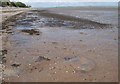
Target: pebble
66,71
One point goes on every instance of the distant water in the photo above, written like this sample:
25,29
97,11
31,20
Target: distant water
74,4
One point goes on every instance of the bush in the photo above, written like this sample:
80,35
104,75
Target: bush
4,3
13,4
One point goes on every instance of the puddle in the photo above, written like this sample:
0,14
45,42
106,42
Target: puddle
81,63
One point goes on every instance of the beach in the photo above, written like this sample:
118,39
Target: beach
71,44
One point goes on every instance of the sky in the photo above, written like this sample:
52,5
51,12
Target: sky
67,0
61,3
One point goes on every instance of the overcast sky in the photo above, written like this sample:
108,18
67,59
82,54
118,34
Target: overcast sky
67,0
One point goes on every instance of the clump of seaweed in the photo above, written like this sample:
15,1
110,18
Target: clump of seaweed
31,31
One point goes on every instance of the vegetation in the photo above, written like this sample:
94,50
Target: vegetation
5,3
13,4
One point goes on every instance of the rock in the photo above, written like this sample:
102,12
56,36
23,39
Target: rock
15,65
42,58
4,60
2,57
67,58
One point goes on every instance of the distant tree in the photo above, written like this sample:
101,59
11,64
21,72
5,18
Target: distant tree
13,4
0,3
5,3
8,4
20,4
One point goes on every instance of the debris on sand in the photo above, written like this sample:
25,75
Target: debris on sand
42,58
68,58
15,65
31,31
4,60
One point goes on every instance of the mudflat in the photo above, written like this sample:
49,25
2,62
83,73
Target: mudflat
61,45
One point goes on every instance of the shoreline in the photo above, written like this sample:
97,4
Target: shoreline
52,12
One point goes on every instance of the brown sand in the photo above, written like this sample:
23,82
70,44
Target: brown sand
60,53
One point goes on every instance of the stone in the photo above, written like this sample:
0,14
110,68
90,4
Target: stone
15,65
42,58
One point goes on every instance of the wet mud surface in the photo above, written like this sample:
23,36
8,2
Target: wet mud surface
45,18
66,50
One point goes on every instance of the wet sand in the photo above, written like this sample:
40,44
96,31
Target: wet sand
67,48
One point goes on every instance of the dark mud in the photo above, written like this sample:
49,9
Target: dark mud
31,32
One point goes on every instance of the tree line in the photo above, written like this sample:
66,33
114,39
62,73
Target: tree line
6,3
